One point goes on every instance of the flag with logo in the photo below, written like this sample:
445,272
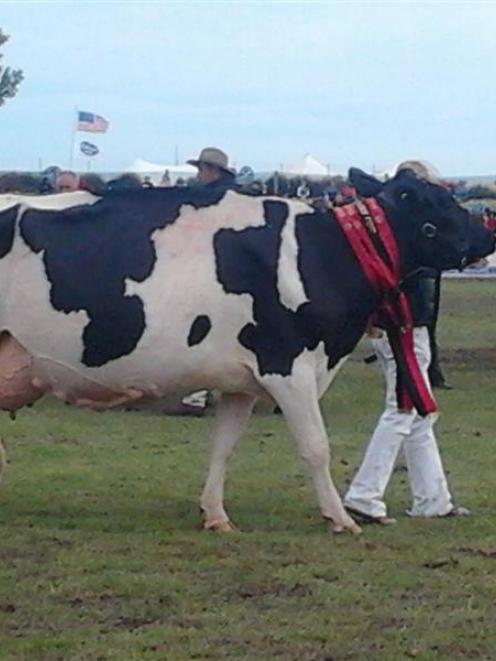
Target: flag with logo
88,121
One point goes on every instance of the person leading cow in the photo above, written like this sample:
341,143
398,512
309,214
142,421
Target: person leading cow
405,428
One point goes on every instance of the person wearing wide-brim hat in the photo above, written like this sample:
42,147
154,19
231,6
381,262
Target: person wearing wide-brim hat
213,168
213,173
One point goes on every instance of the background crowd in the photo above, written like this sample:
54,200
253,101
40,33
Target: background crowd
327,191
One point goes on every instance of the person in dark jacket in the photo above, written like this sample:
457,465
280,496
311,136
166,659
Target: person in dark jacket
213,169
436,374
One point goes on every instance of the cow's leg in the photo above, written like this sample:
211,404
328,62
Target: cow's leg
232,415
298,398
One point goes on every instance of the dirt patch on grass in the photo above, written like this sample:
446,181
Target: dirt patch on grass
477,358
257,590
485,553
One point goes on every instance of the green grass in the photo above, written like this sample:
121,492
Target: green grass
101,556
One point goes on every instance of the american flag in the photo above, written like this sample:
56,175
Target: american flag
87,121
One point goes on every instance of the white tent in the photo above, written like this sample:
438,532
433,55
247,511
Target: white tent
309,166
156,170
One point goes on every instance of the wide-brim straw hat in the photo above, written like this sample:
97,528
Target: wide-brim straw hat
212,156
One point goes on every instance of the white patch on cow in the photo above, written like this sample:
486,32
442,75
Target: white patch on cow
289,284
184,285
55,202
28,309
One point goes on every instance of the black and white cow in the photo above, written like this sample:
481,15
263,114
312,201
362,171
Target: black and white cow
150,292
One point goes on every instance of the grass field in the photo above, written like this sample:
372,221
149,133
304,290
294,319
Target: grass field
101,556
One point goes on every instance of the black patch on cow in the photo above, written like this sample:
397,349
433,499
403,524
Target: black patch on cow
340,297
199,330
247,264
7,229
90,251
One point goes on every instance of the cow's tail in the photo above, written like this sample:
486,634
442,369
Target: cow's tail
3,460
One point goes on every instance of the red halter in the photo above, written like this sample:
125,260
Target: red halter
360,221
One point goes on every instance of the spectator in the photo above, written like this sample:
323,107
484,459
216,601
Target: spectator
49,176
277,184
256,188
303,190
489,219
348,193
92,183
165,181
66,182
147,182
46,186
213,169
19,182
330,192
436,374
127,181
213,172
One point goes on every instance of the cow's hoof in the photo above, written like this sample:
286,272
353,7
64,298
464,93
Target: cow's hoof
219,526
339,528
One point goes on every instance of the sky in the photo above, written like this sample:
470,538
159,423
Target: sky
367,84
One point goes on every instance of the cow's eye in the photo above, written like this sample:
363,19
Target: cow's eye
429,230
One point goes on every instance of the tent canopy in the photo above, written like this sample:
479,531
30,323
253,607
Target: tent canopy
156,170
309,166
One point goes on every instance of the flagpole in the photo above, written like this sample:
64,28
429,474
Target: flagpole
73,138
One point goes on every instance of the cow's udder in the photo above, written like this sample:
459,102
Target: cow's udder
17,388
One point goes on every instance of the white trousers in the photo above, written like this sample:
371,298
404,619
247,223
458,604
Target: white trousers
395,429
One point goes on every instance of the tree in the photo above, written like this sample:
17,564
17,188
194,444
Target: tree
9,78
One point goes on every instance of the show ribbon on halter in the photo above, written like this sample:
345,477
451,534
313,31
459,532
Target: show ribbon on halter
367,230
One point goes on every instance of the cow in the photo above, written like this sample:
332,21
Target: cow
144,293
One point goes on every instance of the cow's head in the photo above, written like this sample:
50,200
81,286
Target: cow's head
431,228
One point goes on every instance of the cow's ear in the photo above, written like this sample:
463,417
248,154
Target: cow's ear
365,184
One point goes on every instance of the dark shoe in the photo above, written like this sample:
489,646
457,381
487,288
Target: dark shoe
185,410
442,385
363,518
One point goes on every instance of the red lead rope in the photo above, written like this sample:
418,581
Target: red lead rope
411,388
